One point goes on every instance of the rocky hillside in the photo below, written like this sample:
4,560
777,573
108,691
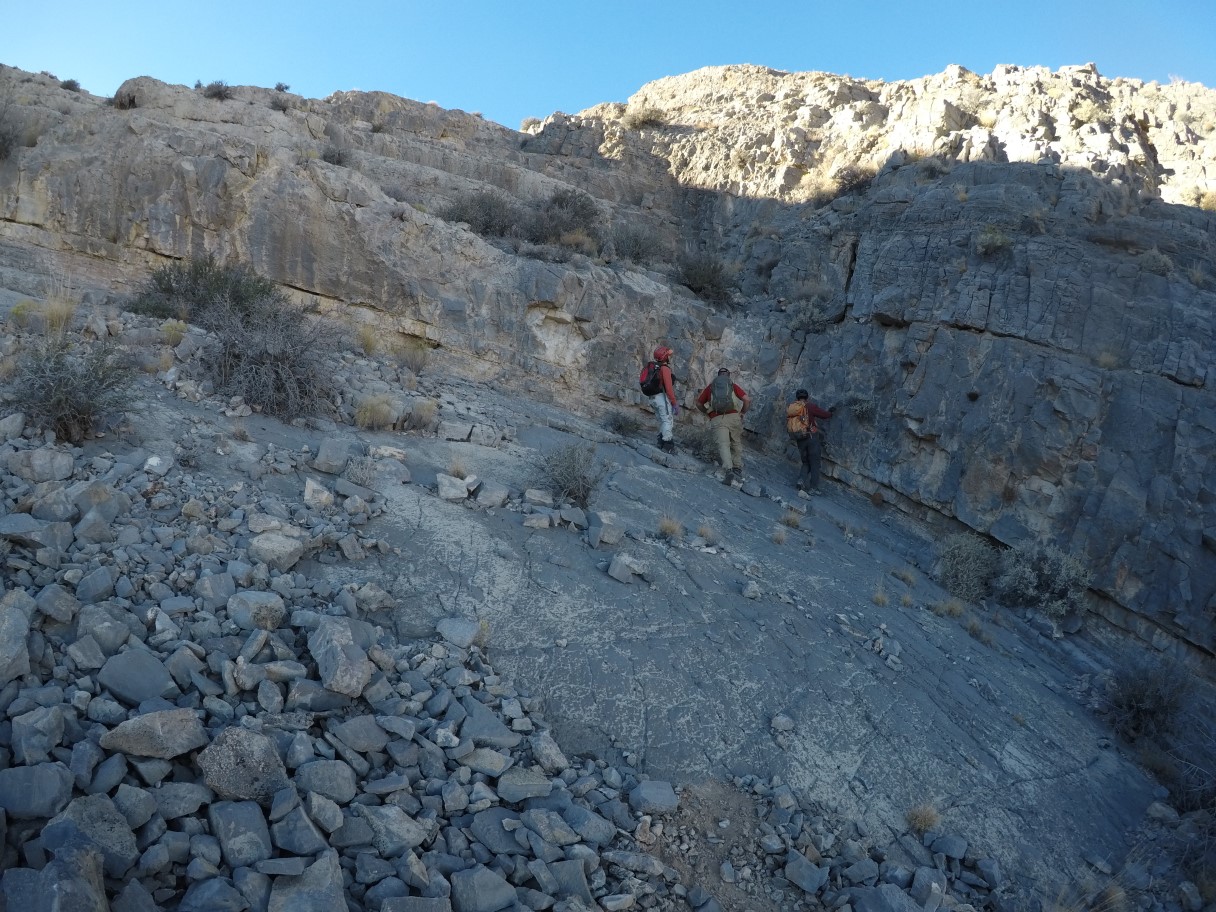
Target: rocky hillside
1005,280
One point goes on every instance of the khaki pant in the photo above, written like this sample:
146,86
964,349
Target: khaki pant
728,432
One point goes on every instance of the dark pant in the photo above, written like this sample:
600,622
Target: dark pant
809,449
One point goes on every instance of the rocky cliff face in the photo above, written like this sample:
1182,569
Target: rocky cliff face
1006,280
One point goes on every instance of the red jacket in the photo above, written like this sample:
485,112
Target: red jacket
703,399
665,376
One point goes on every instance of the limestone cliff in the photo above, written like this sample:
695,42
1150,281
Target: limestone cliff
1006,280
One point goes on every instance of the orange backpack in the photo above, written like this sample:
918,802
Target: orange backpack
798,420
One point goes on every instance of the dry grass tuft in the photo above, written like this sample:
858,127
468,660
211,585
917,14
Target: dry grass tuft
906,600
59,314
375,413
904,575
949,608
977,631
707,532
879,597
670,528
369,338
457,469
241,432
173,331
412,352
779,536
922,818
792,519
422,414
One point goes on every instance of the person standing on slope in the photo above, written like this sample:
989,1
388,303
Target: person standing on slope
800,423
657,383
725,402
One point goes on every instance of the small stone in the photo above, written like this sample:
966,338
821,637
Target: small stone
241,829
653,796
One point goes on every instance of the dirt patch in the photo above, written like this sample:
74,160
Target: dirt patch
716,826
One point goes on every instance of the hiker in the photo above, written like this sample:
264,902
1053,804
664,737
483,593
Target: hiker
725,402
656,383
800,423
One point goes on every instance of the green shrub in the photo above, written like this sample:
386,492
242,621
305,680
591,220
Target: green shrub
968,564
67,387
184,289
70,85
281,87
573,473
486,212
217,90
1156,262
1042,577
990,240
1146,698
705,275
647,116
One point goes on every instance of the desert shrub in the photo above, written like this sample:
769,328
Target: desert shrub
624,423
779,536
335,155
792,519
863,408
1146,698
638,243
58,313
1042,577
698,440
854,179
646,116
375,413
528,124
173,331
486,212
670,528
281,87
422,414
369,338
991,239
705,275
568,217
573,473
185,290
968,565
413,353
266,349
280,103
67,387
1156,262
361,471
24,312
1207,201
71,85
922,818
217,90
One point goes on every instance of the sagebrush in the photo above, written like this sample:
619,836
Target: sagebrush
573,473
1043,577
968,565
706,275
67,386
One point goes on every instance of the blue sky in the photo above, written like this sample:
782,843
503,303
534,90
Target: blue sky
514,60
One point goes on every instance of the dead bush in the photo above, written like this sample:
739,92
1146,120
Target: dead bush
641,117
67,387
699,442
922,818
626,424
375,413
639,244
967,565
573,473
422,414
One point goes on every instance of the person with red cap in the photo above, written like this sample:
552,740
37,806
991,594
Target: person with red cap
666,407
